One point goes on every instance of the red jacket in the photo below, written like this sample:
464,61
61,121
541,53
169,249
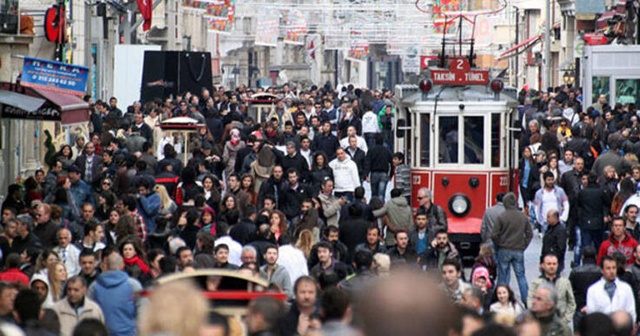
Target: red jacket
15,275
611,246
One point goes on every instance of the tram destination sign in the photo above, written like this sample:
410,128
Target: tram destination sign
460,73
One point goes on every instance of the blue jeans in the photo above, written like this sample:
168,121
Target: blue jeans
506,259
370,139
577,249
586,238
379,184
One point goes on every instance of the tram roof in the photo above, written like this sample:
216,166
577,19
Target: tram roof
446,93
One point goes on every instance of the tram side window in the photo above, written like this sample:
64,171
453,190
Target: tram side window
474,140
496,131
425,140
448,147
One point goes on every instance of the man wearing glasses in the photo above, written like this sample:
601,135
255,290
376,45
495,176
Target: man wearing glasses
435,213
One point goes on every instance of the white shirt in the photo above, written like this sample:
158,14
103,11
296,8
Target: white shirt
370,123
362,144
623,299
235,249
307,155
70,258
345,174
293,260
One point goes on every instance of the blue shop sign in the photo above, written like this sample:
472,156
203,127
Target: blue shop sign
54,76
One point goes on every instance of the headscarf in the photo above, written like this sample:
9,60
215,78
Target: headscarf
235,136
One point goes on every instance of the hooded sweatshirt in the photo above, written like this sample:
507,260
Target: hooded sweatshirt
345,174
48,301
114,292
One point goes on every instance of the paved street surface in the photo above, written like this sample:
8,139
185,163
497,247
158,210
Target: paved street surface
532,263
531,254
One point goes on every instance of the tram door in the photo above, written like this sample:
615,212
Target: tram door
404,135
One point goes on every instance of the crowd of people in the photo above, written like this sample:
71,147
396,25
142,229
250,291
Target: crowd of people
283,199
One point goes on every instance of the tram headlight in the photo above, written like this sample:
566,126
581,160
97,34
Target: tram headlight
459,205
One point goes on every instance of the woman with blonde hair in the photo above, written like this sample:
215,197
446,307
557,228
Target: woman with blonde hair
177,309
57,278
167,205
305,242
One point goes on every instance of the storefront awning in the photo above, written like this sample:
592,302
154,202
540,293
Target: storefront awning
20,101
72,109
520,47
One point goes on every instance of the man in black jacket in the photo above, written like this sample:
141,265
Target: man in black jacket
293,160
402,253
326,141
141,127
378,163
357,155
354,231
358,199
555,239
592,208
581,278
271,187
293,193
435,213
570,183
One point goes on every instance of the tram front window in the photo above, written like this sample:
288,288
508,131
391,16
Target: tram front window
448,130
474,140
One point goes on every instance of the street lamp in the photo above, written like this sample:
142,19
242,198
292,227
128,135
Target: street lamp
569,75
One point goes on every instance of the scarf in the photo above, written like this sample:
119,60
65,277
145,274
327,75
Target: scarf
235,137
135,260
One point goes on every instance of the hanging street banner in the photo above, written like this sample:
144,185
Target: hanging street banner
224,25
55,76
358,47
411,61
267,34
440,19
296,27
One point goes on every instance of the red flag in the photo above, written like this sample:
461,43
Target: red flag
146,10
311,50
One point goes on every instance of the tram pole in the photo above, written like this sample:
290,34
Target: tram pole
547,47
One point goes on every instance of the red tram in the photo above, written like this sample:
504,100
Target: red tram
454,130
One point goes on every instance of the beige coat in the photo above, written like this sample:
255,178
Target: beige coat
69,318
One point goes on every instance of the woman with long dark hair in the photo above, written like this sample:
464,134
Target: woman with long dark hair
320,171
247,185
65,155
134,260
211,192
527,168
505,302
627,188
186,227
